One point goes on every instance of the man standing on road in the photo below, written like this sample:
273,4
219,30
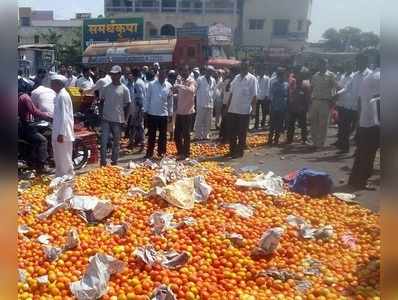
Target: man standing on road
63,127
116,105
184,113
241,103
262,98
324,85
71,79
43,98
158,109
85,82
347,104
299,101
205,94
368,131
102,82
137,90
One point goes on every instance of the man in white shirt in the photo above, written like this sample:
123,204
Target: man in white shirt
205,93
104,80
114,114
85,82
347,104
158,109
262,98
244,90
63,128
71,79
43,97
368,131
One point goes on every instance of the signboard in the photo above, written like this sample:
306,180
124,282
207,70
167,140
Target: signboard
110,30
128,58
197,31
219,34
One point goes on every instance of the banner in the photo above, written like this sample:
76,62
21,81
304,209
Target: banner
110,30
128,58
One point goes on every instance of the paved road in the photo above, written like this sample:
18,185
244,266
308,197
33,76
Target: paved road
284,159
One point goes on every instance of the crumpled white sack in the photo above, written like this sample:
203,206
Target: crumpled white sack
306,231
244,211
96,208
51,253
271,184
163,292
201,188
44,239
160,221
235,238
120,229
22,275
173,259
269,241
147,254
51,211
72,240
349,198
23,229
94,282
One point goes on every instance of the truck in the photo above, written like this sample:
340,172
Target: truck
194,47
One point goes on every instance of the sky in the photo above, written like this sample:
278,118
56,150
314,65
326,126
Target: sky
364,14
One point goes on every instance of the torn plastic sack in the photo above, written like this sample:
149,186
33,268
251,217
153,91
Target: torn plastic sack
242,210
147,254
51,211
173,259
349,198
349,240
303,286
72,240
235,238
22,275
249,168
23,229
163,293
312,183
51,253
180,193
306,231
280,274
62,192
42,279
160,222
120,229
44,239
312,267
269,242
58,181
94,283
271,184
92,209
202,189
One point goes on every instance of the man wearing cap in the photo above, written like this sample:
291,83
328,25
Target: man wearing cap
63,132
116,106
205,93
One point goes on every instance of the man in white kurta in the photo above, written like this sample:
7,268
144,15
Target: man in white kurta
63,134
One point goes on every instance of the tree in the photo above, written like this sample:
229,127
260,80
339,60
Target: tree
52,37
349,38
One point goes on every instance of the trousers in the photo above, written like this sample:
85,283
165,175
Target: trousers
63,158
319,114
346,126
301,118
264,104
368,144
136,126
182,134
155,124
203,122
238,126
108,128
39,142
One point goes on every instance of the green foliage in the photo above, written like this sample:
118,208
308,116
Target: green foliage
348,38
67,53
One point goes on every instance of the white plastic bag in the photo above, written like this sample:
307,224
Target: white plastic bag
269,242
242,210
160,222
94,282
92,208
163,293
271,184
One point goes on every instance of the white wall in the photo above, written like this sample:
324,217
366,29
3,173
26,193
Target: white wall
26,34
294,10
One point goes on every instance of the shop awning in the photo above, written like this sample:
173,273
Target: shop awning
131,52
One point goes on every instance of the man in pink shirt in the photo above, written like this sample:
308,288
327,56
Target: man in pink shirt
184,113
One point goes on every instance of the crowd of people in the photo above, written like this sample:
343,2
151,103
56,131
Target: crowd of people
211,103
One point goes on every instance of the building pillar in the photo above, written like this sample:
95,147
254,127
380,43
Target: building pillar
204,7
235,7
133,6
160,5
177,6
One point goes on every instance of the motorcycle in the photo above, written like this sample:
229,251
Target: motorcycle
27,159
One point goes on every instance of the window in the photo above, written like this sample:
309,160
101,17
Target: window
116,3
191,52
153,32
25,21
280,28
36,39
300,25
256,24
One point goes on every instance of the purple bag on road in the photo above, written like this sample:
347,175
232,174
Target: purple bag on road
311,183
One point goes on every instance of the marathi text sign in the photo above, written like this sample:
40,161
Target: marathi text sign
111,30
129,58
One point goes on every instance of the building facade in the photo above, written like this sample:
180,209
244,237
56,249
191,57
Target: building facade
255,23
163,17
32,25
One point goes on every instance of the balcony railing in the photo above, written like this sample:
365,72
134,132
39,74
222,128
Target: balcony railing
155,8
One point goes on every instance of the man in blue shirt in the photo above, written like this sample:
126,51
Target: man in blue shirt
158,109
279,98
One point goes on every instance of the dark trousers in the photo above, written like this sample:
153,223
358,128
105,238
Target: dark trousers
224,136
237,130
277,126
155,124
301,118
368,144
182,134
264,105
39,143
346,126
